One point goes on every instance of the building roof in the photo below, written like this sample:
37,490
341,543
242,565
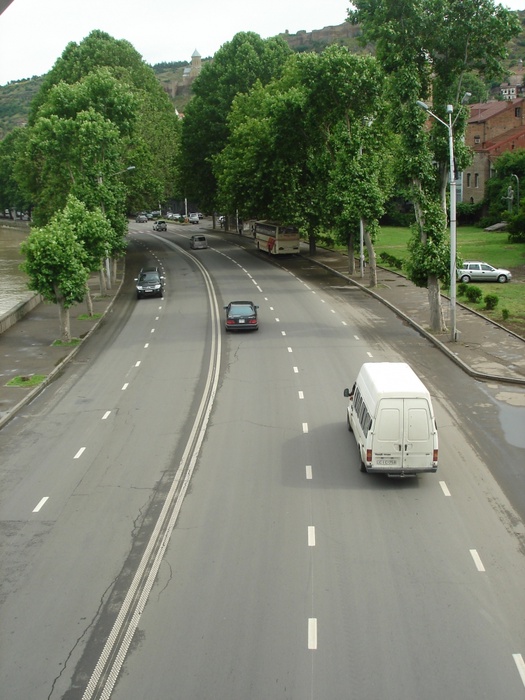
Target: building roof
482,111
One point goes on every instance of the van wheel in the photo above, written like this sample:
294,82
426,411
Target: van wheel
363,468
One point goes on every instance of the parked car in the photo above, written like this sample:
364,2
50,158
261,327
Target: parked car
476,271
200,215
160,226
193,218
241,315
149,283
198,242
141,219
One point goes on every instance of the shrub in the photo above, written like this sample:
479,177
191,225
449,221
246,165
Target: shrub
391,260
462,289
474,294
505,314
491,301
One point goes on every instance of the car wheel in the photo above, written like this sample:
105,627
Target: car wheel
502,279
138,295
465,278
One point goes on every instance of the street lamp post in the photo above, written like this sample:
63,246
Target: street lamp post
517,191
452,182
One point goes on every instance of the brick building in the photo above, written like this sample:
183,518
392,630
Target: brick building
492,129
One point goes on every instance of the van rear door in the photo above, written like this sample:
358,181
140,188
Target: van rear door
403,436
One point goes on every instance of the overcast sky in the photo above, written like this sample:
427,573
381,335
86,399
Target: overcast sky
34,33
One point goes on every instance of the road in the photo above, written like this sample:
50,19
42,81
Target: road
208,533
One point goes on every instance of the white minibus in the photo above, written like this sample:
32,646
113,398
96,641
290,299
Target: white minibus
390,413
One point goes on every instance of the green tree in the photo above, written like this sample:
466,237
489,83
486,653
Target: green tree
57,266
12,194
427,47
235,69
508,179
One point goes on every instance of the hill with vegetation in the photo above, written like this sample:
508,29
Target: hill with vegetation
16,96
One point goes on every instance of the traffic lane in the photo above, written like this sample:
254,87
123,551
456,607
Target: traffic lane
413,552
99,501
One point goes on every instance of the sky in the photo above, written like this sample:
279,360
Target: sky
34,33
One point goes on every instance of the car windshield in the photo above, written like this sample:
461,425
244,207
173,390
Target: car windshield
241,310
149,277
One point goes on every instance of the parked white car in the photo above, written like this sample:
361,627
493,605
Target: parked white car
476,271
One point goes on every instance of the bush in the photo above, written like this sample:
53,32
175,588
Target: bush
474,294
505,314
391,261
462,289
491,301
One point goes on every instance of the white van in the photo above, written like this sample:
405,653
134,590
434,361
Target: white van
390,413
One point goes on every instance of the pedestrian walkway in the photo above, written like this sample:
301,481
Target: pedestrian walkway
484,350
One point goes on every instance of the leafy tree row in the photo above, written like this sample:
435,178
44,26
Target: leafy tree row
320,141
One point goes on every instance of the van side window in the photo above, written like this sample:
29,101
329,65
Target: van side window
361,412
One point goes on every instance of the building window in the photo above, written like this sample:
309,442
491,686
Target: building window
476,179
517,111
477,139
468,179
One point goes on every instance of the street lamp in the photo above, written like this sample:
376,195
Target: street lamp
517,191
450,109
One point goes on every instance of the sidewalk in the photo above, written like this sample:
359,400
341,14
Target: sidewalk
483,350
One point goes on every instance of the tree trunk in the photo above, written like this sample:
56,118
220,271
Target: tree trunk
437,321
89,301
63,315
311,242
101,279
351,254
371,257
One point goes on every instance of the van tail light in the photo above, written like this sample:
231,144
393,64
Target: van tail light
369,455
435,456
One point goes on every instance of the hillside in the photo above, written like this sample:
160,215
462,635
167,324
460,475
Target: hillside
15,97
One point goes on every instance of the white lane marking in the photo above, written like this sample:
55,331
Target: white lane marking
147,345
444,488
106,415
311,536
369,354
79,453
307,287
277,320
477,560
356,337
296,370
255,283
301,395
308,471
125,386
312,633
40,504
153,330
249,275
332,310
305,427
137,364
271,308
344,323
259,289
518,659
323,301
290,349
283,332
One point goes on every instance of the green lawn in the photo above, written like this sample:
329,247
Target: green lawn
476,244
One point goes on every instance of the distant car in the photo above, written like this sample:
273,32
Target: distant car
149,283
193,218
201,216
141,219
198,242
160,226
476,271
241,315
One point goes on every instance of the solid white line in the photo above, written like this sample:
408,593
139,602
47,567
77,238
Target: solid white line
40,504
106,415
444,488
311,536
301,395
477,560
137,364
518,659
296,370
312,633
308,471
79,453
305,427
125,386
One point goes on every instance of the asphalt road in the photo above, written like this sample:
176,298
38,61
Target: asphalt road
276,569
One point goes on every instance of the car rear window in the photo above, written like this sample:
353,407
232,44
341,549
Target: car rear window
239,310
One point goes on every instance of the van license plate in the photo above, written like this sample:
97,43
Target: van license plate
386,462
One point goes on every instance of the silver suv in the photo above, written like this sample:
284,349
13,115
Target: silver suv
476,271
